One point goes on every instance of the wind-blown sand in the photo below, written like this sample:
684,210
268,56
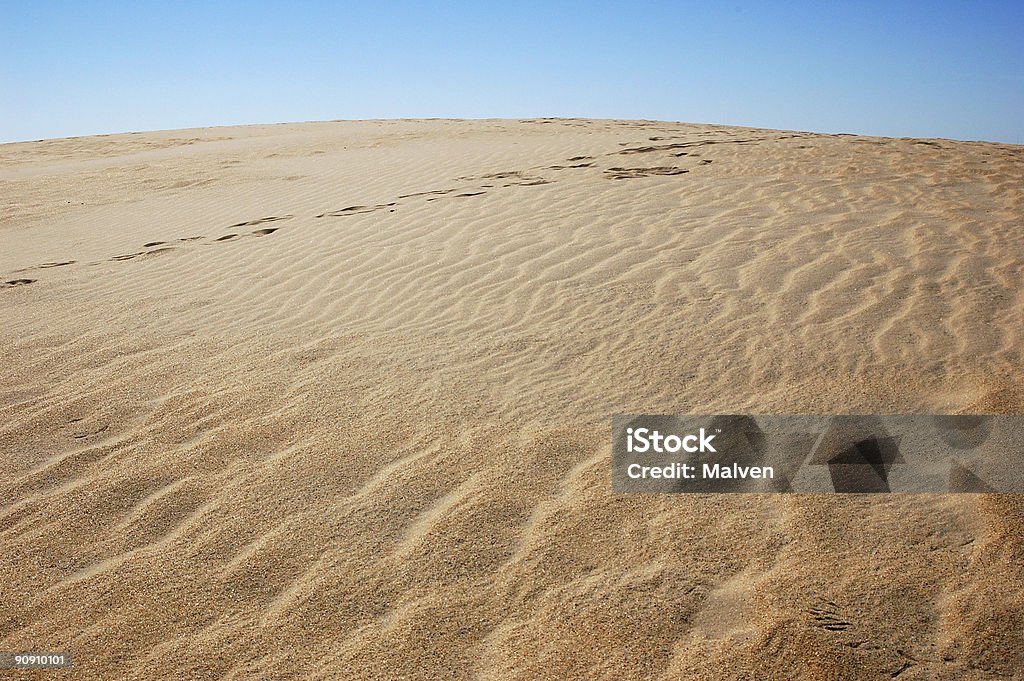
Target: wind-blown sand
333,400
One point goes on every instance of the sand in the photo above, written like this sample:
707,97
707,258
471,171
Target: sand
333,400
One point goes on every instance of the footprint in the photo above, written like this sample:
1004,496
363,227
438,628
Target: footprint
630,173
469,194
191,238
504,175
226,237
658,147
827,615
153,243
684,145
17,282
253,223
530,183
436,191
79,434
131,256
515,178
264,232
356,210
45,266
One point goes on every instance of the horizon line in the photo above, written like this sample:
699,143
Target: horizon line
499,118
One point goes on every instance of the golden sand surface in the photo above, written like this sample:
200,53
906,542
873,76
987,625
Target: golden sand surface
333,400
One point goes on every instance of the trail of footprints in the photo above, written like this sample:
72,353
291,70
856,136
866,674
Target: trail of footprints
505,179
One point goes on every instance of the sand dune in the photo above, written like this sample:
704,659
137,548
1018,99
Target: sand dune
332,400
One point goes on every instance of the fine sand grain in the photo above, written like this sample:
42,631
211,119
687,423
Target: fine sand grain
333,400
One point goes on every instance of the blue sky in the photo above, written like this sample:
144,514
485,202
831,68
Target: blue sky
922,69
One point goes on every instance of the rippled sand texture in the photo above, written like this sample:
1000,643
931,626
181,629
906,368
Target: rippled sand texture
332,400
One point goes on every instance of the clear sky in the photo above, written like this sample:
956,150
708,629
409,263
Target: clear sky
922,69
